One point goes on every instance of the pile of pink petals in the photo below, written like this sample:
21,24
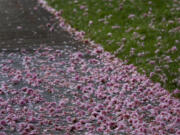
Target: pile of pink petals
51,91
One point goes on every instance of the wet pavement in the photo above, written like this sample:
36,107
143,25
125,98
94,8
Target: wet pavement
51,84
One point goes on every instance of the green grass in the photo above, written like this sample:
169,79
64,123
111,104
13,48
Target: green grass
163,16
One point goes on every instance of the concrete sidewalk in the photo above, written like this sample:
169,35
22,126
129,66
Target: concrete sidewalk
23,24
65,88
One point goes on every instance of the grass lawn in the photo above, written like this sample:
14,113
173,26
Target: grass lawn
143,32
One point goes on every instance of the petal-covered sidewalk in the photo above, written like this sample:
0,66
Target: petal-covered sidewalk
55,91
69,89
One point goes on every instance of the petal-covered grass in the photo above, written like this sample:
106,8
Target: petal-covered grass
145,33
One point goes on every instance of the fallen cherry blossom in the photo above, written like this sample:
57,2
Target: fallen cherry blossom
55,90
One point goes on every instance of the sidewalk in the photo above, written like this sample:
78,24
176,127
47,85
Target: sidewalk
52,85
23,24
